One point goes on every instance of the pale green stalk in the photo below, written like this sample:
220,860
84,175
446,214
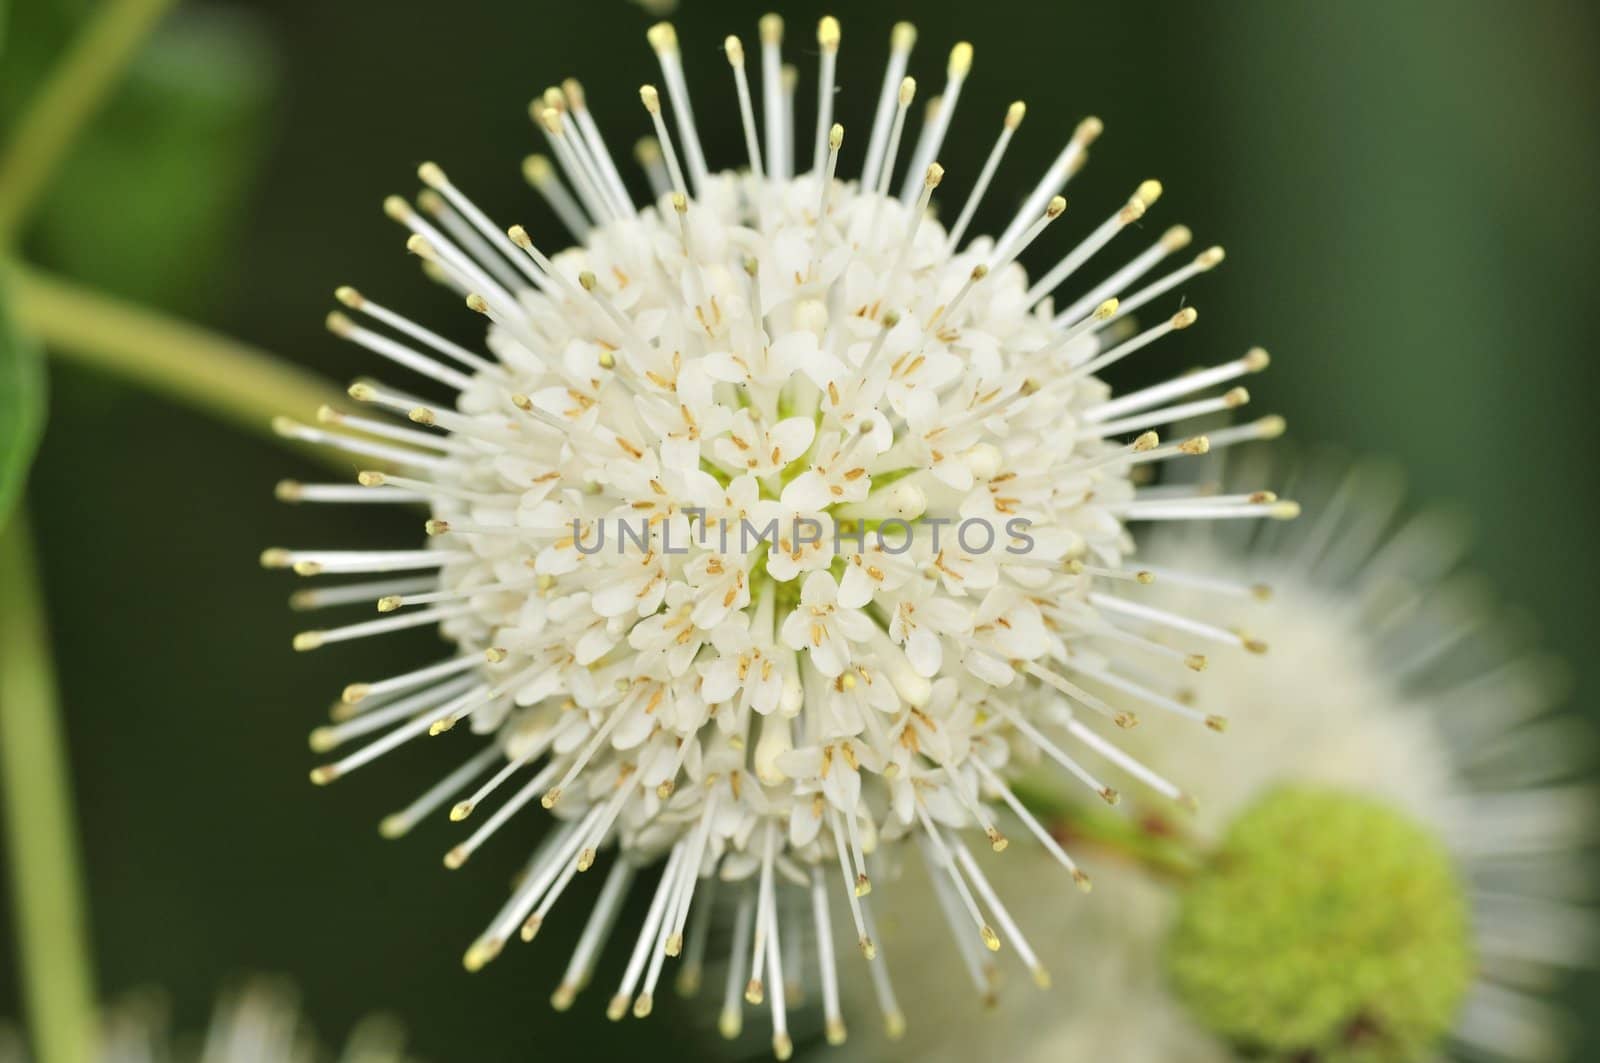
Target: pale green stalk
57,983
223,376
1171,856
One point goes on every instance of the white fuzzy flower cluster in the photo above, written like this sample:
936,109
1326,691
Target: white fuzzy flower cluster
260,1022
773,520
1391,678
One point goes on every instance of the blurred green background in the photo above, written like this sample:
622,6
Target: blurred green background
1405,192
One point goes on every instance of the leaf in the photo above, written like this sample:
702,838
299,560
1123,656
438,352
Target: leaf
148,203
33,35
22,409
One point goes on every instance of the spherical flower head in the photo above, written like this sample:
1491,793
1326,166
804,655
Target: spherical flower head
1393,678
777,523
1398,696
1328,926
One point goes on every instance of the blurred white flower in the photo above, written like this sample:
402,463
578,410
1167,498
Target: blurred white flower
1392,678
773,523
258,1023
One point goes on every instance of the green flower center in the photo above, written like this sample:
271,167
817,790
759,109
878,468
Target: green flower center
1326,928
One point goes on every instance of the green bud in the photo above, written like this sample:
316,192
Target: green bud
1327,927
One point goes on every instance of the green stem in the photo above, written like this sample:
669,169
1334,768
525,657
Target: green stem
1165,856
1158,855
58,981
233,380
70,96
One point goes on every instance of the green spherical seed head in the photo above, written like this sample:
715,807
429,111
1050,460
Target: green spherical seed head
1327,928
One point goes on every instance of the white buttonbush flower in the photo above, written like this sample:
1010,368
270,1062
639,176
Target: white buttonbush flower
260,1022
1395,791
772,521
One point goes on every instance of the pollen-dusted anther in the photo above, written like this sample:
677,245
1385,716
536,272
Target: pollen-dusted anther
397,208
726,506
960,60
1176,238
828,33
